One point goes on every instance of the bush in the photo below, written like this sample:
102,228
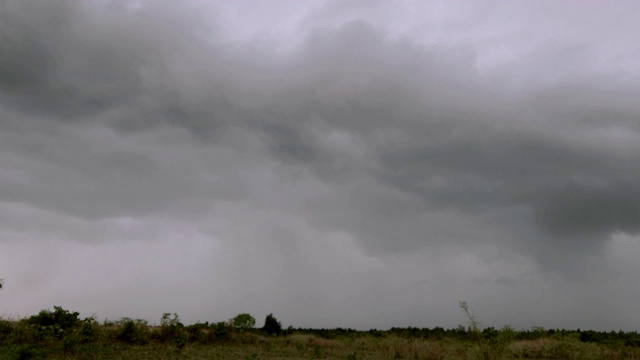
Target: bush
89,330
61,317
499,343
271,325
222,331
25,333
171,329
54,323
244,321
24,352
86,332
6,329
133,332
70,344
199,332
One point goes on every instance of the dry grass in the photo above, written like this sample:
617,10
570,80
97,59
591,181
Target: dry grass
27,344
304,346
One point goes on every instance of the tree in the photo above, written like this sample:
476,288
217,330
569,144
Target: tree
243,321
271,325
1,283
474,324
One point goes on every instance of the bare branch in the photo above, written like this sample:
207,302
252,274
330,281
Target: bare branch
473,321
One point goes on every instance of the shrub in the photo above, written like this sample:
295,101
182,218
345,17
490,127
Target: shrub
85,333
133,331
24,352
244,321
89,330
61,317
222,331
54,323
501,341
6,328
271,325
25,333
199,332
70,344
171,329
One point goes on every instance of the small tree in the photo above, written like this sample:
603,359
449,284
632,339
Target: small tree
474,324
271,325
171,329
243,321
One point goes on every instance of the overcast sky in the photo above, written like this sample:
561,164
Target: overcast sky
362,164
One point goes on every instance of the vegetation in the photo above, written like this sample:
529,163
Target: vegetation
271,325
244,321
62,334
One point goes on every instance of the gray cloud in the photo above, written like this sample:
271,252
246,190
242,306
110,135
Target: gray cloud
584,211
65,61
352,144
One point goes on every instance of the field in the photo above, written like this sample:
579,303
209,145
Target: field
60,334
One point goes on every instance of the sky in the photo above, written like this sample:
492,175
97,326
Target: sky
356,164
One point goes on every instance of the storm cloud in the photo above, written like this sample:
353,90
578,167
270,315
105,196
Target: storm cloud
320,158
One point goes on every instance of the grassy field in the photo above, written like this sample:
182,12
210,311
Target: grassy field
60,334
302,346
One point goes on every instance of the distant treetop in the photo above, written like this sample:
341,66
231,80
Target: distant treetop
271,325
244,321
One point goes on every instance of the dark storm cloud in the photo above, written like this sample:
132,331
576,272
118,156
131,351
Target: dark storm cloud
62,60
375,161
585,210
413,139
431,133
71,61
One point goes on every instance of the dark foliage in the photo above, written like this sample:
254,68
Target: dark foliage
199,333
271,325
51,324
244,321
61,332
222,331
6,329
133,332
25,352
172,330
59,318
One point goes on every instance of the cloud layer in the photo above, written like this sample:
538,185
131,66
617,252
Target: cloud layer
343,162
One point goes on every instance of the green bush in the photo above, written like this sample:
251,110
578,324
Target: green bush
70,344
271,325
499,343
23,333
222,331
172,330
199,332
133,332
23,352
6,329
55,323
244,321
89,330
86,332
61,317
